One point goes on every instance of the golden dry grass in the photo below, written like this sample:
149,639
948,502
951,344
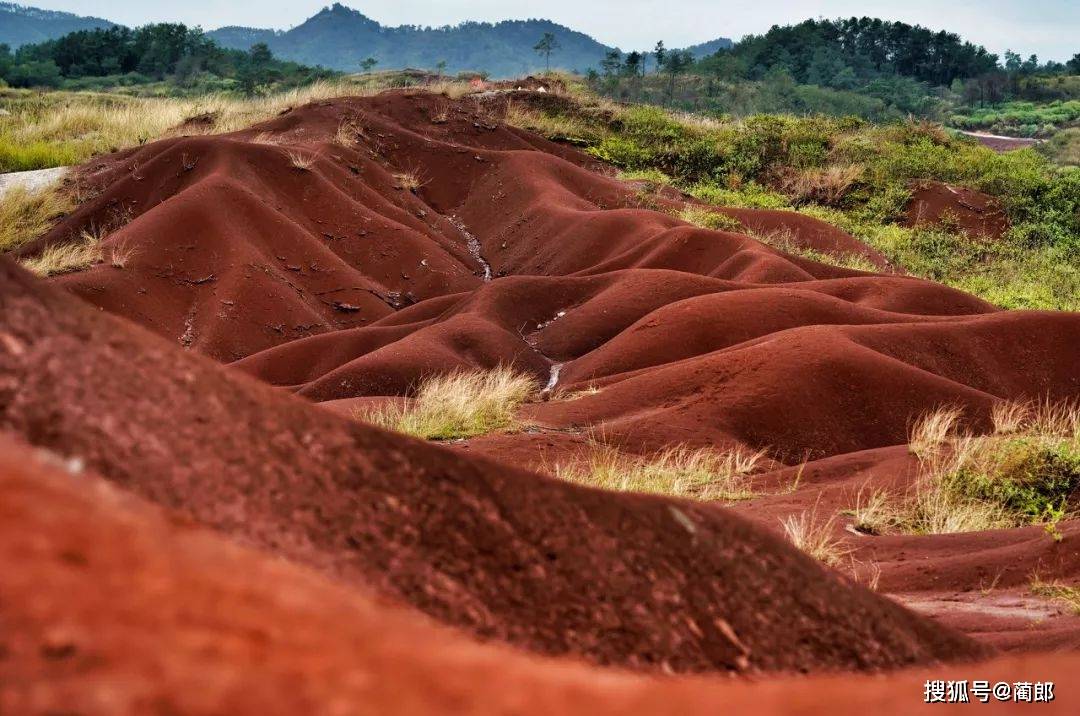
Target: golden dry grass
65,258
302,161
349,134
874,512
120,254
78,125
451,89
26,214
815,537
441,115
703,473
457,405
409,181
932,430
825,185
1020,474
560,126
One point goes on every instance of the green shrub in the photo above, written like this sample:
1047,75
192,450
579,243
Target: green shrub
1029,477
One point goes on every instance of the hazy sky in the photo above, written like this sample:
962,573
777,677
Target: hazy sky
1049,28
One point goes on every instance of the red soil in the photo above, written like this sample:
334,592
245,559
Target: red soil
618,579
968,210
339,283
999,143
112,606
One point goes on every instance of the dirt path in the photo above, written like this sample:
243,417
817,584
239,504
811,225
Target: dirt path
1000,143
32,180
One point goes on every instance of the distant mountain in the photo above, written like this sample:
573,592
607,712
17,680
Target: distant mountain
710,47
21,25
241,38
341,38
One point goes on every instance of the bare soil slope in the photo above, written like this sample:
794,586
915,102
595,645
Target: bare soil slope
169,618
345,250
618,579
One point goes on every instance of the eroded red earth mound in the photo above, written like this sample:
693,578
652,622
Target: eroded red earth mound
346,249
621,579
112,606
973,212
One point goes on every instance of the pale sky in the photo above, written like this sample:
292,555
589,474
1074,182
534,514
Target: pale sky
1048,28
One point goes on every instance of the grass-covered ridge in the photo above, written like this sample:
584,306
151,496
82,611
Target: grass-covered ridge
857,176
51,129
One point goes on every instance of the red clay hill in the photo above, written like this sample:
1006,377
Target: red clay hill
346,249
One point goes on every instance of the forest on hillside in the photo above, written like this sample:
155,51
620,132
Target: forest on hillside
183,56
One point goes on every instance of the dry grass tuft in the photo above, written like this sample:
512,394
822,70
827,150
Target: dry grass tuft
1057,591
933,430
827,185
267,138
554,126
457,405
409,181
450,89
350,134
121,254
568,395
441,114
66,258
26,215
874,513
301,161
704,474
1025,472
710,219
937,509
814,537
1009,417
63,128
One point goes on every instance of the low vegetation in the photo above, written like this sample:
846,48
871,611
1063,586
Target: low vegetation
784,240
1063,593
1027,471
856,176
1020,118
815,537
701,473
409,181
457,405
76,255
64,128
26,214
301,161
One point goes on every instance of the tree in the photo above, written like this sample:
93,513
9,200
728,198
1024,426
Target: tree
440,66
659,52
545,47
1074,63
1013,63
256,70
368,64
675,64
611,63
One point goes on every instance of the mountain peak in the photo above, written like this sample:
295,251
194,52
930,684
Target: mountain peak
341,14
